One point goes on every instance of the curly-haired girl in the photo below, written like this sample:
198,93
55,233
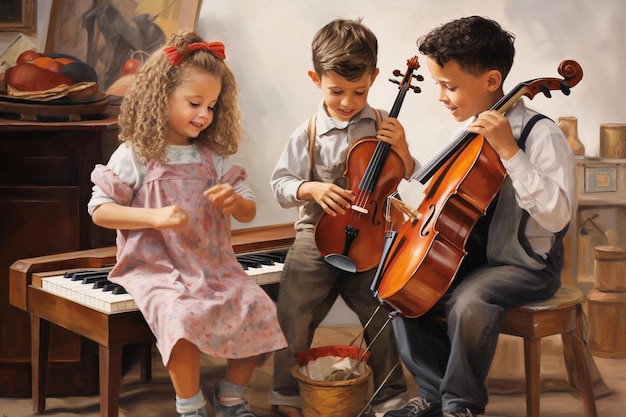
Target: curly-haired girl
169,190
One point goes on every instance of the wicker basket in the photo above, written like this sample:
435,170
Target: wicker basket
332,398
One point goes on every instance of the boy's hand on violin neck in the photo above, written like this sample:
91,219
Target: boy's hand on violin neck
331,198
496,129
392,132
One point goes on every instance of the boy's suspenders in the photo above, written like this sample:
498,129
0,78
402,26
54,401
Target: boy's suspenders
555,256
521,142
311,131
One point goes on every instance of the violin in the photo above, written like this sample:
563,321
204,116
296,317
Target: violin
426,253
354,241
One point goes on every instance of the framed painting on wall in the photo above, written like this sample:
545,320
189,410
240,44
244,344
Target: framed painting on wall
17,15
106,34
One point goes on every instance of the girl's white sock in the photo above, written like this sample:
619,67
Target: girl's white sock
187,405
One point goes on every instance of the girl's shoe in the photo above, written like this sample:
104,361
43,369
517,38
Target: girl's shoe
198,413
237,410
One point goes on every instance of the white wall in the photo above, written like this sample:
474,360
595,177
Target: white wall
268,47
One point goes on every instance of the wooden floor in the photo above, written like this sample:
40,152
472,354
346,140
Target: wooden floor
156,398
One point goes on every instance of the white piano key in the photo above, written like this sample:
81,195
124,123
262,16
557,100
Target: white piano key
110,303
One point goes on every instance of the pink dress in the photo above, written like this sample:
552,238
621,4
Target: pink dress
188,284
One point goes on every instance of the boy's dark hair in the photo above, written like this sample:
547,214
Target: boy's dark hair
346,47
476,43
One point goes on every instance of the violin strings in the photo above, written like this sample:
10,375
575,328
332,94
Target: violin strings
368,181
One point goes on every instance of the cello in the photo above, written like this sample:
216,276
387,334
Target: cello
376,169
467,175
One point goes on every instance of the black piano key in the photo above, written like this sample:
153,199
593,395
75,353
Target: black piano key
94,278
248,263
118,289
108,286
260,258
100,284
79,275
277,256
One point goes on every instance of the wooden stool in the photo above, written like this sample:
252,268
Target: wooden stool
561,314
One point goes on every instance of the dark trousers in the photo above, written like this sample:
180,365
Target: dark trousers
450,359
308,289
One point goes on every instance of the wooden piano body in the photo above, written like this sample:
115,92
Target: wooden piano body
111,331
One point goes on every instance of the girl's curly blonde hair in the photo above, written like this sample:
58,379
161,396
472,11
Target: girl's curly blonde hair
144,110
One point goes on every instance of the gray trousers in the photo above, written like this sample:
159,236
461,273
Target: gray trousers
308,290
450,359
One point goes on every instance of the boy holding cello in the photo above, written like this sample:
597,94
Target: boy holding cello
345,67
515,253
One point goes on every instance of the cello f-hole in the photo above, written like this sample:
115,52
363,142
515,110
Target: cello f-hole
431,213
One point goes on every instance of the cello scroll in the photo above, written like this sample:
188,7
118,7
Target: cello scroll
572,73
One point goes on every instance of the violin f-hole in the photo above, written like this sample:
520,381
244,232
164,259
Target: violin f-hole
375,221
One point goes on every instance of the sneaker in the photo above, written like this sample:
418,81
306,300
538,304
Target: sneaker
393,403
198,413
237,410
466,413
417,407
280,402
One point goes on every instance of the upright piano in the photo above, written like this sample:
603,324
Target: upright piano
36,285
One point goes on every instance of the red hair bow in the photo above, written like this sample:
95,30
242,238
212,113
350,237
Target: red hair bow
215,48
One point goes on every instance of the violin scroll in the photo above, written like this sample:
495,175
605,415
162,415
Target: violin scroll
412,65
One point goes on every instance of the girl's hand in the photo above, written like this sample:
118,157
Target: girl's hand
170,217
496,129
224,197
332,198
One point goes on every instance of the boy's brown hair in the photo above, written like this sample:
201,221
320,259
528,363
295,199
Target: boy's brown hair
346,47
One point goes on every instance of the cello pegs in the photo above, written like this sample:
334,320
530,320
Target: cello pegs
564,88
545,90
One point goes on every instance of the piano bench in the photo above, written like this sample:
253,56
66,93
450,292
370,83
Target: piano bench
117,331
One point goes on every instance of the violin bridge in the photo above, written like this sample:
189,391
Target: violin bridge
359,209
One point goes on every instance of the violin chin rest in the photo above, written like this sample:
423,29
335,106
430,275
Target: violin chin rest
340,262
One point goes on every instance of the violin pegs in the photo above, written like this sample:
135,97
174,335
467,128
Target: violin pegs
565,88
394,81
397,73
418,77
545,90
416,89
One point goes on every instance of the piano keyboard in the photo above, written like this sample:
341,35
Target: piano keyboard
91,287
